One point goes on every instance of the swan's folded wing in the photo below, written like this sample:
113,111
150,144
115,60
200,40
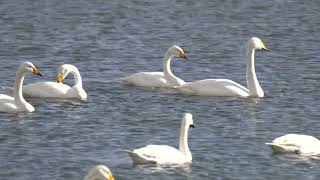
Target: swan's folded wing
4,97
7,104
296,139
159,154
214,87
45,89
146,79
281,148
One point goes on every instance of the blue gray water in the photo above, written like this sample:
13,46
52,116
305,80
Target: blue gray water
108,40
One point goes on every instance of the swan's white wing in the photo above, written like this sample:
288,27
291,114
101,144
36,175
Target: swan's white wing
296,143
161,154
5,97
45,90
7,103
146,79
214,87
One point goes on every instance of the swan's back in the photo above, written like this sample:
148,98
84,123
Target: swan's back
296,139
45,90
214,87
146,79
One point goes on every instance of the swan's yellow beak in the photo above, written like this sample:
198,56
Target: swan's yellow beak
59,78
182,55
111,177
263,47
36,71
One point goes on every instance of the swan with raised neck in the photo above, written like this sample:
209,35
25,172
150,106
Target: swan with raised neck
18,103
164,79
226,87
164,154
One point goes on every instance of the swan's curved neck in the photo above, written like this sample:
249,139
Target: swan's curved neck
76,75
18,98
183,142
168,75
252,81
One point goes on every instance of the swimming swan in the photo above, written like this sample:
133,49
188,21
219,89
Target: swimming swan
100,172
163,154
158,79
225,87
296,143
58,90
18,103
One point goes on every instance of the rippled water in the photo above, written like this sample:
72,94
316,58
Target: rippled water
108,40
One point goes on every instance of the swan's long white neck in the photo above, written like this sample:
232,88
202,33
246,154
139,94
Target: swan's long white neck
183,142
168,75
252,81
76,75
18,98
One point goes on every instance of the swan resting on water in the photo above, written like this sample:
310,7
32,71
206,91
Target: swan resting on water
165,79
18,103
164,154
226,87
100,172
58,89
296,143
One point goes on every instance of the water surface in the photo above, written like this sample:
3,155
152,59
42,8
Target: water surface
108,40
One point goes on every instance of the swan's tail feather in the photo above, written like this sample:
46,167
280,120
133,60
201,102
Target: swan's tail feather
138,159
278,148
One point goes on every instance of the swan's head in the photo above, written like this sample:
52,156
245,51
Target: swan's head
28,67
100,172
187,120
63,71
256,43
177,51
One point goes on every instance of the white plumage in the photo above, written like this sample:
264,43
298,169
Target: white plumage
225,87
99,172
165,79
58,90
18,103
296,143
163,154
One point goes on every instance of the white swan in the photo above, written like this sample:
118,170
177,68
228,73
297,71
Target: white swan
100,172
163,154
159,79
58,90
18,103
296,143
225,87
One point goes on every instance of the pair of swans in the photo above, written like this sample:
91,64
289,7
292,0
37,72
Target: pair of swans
206,87
41,89
58,89
163,154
